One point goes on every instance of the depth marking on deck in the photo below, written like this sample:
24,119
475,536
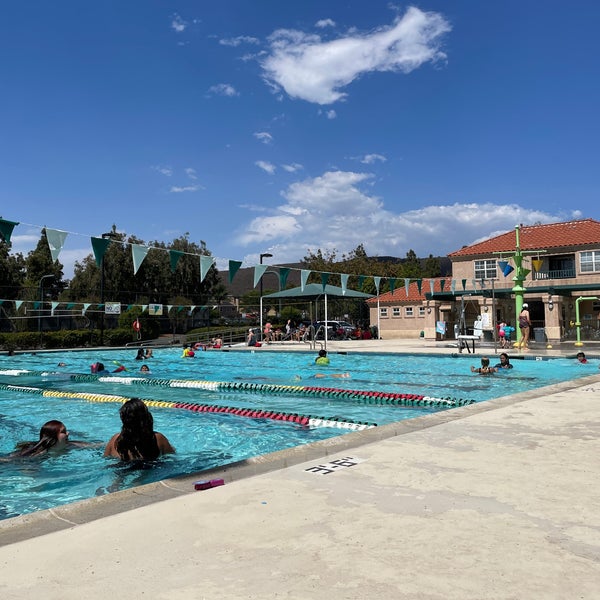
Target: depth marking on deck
335,465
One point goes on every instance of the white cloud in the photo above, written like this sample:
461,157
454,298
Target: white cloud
178,24
369,159
338,211
177,189
223,89
191,173
264,137
240,39
292,168
163,170
306,67
266,166
322,23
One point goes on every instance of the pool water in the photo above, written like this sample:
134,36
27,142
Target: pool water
205,440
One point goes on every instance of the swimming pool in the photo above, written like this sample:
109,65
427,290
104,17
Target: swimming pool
256,385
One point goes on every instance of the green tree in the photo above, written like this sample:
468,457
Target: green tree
12,273
411,267
38,264
432,267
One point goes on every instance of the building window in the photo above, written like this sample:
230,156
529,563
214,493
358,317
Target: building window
590,261
396,311
485,269
409,311
383,313
421,311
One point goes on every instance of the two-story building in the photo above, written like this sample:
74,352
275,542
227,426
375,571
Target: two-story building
562,264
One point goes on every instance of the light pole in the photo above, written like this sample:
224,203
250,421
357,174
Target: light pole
263,255
109,235
41,285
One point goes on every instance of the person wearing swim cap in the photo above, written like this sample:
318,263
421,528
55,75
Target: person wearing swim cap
322,359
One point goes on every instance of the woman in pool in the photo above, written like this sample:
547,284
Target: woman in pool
504,362
137,439
53,437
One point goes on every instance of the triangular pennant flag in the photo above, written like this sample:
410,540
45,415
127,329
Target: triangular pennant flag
138,252
144,307
180,308
304,275
283,275
377,281
324,279
234,267
130,306
464,284
392,282
344,280
37,305
525,272
6,229
1,302
507,270
86,305
259,271
174,256
406,285
192,308
71,305
56,241
419,284
537,264
442,284
54,305
474,282
361,280
431,286
169,307
99,246
206,262
18,304
502,264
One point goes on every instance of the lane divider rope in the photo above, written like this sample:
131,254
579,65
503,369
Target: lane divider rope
357,396
305,420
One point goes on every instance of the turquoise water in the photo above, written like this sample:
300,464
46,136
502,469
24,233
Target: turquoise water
206,440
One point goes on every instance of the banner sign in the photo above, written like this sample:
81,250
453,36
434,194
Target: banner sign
112,308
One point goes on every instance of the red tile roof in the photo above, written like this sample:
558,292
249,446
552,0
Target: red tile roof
585,232
414,295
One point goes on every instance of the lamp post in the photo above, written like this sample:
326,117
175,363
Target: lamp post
263,255
41,285
109,235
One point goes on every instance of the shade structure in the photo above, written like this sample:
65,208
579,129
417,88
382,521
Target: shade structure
315,291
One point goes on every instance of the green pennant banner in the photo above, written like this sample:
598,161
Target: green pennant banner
6,229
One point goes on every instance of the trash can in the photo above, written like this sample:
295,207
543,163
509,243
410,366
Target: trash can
539,334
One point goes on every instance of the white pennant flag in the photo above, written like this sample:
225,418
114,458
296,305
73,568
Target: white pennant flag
56,241
138,252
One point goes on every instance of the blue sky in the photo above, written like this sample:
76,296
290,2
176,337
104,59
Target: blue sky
284,127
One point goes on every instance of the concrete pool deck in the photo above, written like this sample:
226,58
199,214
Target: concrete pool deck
496,500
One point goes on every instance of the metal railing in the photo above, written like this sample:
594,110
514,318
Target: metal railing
555,274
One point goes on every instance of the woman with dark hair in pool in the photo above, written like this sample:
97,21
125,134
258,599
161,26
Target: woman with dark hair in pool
137,439
53,437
